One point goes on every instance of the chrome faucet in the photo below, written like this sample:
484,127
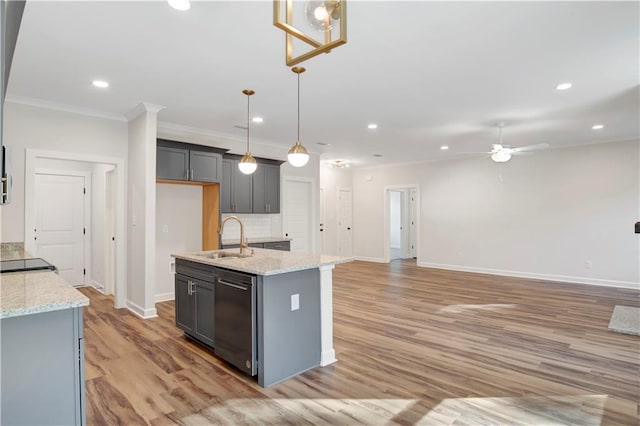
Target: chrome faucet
243,241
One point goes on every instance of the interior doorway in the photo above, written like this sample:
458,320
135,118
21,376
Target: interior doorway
105,251
401,222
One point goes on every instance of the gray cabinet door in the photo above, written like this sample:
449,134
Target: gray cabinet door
236,189
266,189
204,312
242,189
205,166
184,304
272,188
278,245
172,163
226,200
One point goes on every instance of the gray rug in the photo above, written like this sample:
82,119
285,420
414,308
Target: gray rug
625,319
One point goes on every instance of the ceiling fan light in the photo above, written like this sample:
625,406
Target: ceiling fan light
501,156
247,164
298,155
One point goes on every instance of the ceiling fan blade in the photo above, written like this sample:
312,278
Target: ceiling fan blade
531,147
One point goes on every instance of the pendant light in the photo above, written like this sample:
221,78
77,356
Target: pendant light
298,155
247,164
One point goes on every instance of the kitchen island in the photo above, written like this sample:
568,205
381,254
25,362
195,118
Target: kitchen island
42,351
269,313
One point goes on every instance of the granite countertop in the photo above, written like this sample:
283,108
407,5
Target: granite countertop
13,251
256,240
25,293
266,262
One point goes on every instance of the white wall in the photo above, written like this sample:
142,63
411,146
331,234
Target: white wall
142,213
542,215
178,229
32,127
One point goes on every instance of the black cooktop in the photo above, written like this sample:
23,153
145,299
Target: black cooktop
21,265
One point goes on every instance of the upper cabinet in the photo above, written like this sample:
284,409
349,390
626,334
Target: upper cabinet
255,193
236,188
185,162
266,189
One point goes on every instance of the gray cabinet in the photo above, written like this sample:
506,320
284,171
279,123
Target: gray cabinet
272,245
266,189
195,298
185,162
43,369
236,189
278,245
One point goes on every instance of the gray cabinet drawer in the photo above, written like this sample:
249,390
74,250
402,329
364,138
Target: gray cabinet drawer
279,245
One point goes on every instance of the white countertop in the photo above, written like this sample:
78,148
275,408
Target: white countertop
266,262
25,293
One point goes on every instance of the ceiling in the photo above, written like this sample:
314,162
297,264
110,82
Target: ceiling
428,73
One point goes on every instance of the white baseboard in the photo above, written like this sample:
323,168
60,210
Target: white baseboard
370,259
328,357
533,275
164,297
140,311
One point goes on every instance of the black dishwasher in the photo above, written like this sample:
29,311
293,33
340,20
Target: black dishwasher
235,319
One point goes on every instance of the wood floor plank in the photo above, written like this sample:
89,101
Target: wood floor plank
414,346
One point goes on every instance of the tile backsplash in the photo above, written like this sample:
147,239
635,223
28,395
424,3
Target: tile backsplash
255,226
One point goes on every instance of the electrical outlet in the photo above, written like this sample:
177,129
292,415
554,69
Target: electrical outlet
172,267
588,264
295,302
165,228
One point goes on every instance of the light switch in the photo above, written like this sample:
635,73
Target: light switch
295,302
165,228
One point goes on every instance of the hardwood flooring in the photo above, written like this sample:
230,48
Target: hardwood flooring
414,346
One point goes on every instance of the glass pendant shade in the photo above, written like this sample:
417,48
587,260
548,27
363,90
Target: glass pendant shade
298,155
247,164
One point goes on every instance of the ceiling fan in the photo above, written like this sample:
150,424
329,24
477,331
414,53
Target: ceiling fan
501,153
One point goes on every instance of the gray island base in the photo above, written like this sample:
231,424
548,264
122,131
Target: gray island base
269,314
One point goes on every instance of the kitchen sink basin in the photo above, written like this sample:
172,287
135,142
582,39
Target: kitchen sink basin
221,255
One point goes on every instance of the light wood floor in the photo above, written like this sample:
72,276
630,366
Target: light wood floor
415,346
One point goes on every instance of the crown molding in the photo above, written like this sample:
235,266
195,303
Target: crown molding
141,108
41,103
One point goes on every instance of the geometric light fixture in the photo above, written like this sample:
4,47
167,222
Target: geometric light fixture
298,155
248,164
311,27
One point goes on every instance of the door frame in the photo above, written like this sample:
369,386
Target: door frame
29,233
314,213
387,189
31,155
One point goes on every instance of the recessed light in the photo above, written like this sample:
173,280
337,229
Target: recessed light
257,119
372,126
564,86
180,4
323,144
444,147
377,155
101,84
597,126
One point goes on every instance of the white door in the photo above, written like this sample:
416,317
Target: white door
110,232
60,224
345,242
298,215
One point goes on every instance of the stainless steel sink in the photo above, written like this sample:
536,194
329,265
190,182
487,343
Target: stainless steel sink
221,255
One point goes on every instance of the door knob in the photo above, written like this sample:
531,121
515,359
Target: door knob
348,229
